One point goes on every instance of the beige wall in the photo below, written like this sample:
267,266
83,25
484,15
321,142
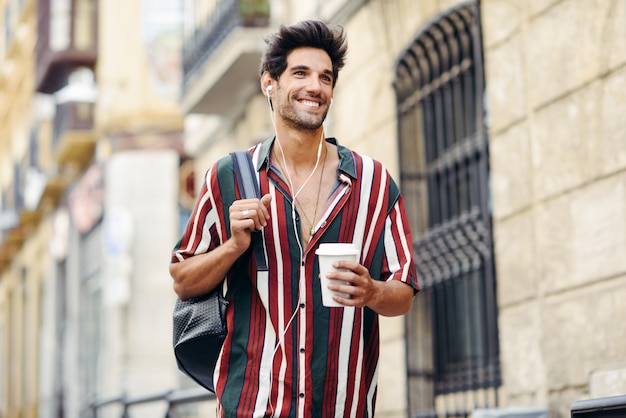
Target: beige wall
556,78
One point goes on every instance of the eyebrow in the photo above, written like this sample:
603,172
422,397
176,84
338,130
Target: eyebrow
306,67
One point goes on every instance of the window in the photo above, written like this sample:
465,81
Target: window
7,26
60,24
452,337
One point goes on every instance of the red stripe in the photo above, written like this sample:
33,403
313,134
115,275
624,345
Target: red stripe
255,345
330,386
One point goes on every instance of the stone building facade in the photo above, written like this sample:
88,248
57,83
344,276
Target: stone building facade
555,75
90,156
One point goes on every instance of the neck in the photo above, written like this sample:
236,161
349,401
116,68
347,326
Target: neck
298,143
300,151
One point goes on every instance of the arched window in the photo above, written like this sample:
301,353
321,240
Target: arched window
452,336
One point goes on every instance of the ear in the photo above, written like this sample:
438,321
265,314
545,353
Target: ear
266,81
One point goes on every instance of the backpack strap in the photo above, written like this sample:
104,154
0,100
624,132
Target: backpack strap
245,174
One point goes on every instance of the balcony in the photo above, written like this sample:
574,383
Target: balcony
73,137
221,58
67,34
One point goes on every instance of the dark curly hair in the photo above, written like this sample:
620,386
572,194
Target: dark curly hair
311,33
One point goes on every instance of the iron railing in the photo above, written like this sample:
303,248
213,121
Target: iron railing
207,38
452,332
210,34
56,62
173,399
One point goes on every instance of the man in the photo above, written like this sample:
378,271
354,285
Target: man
287,355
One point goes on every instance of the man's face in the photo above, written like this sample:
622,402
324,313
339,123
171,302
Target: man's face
305,88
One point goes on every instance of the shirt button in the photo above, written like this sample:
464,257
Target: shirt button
301,395
302,350
302,306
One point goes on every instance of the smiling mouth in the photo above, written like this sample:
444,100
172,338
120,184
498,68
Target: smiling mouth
310,103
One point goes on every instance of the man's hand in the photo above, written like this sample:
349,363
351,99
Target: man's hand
248,215
387,298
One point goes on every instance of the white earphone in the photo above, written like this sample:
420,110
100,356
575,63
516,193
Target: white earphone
267,94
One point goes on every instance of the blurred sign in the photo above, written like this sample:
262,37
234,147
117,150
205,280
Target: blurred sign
118,235
87,199
187,186
118,231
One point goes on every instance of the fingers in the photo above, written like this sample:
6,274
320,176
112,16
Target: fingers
352,279
265,207
252,214
266,200
349,266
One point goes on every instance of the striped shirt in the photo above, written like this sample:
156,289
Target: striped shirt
286,355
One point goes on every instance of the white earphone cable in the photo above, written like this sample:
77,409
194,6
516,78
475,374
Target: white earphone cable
281,342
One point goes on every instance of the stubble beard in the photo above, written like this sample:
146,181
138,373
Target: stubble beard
300,120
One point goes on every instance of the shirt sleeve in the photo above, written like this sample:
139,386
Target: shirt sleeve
204,229
398,244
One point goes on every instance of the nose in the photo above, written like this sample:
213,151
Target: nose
314,85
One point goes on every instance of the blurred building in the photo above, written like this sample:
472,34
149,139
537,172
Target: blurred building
90,151
500,119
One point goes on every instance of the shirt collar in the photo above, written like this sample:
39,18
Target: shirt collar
346,162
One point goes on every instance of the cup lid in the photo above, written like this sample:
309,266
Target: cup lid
337,249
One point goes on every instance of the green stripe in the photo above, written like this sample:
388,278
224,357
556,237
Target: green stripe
226,181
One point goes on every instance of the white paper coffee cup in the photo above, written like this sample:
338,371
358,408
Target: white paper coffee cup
327,254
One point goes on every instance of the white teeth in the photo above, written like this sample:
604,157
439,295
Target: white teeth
309,103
